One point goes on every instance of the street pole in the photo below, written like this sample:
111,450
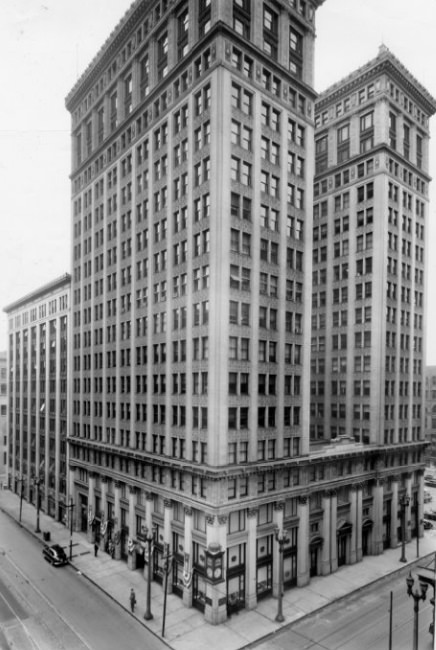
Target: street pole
404,503
390,622
71,506
417,596
148,615
21,496
37,481
282,539
166,567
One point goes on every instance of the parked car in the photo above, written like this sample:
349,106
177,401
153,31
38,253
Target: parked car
427,524
430,515
55,554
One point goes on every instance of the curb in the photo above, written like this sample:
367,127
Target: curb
126,609
396,573
80,572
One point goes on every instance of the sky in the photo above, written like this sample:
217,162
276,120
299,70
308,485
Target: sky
45,46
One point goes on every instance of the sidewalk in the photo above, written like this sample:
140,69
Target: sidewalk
186,628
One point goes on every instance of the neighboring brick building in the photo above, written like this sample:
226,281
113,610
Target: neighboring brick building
38,395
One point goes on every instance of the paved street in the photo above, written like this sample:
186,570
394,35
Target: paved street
361,622
48,608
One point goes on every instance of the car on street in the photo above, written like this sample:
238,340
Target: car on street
430,516
427,524
55,554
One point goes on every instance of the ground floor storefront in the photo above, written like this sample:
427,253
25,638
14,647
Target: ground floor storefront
222,562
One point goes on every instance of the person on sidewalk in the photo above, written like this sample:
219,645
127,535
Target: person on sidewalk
132,600
95,549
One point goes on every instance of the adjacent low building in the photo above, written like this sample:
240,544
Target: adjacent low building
38,394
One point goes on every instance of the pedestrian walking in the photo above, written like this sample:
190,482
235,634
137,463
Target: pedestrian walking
132,599
95,549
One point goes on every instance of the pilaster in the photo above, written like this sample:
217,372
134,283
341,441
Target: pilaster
395,520
188,570
303,573
216,594
250,588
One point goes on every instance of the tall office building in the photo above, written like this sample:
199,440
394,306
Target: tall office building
3,417
192,181
38,394
368,304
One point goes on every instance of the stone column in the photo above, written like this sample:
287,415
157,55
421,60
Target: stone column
149,506
377,539
149,503
325,531
187,590
168,516
333,532
420,502
216,594
394,512
279,508
250,560
117,521
359,521
72,497
303,572
131,557
103,513
90,533
409,507
354,530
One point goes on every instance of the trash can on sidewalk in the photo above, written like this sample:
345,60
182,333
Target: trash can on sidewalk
46,536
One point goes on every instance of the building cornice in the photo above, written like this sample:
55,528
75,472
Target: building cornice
384,62
120,34
58,283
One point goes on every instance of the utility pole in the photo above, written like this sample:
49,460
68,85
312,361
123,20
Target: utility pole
71,509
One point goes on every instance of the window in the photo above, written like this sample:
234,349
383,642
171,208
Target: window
144,76
295,53
240,207
239,278
241,135
182,33
242,17
242,99
270,32
270,117
240,171
204,17
162,56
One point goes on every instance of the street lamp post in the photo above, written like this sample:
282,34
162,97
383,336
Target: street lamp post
404,502
167,564
37,481
149,538
282,539
71,507
417,596
21,481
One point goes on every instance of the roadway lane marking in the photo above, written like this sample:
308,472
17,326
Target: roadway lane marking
49,603
12,603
